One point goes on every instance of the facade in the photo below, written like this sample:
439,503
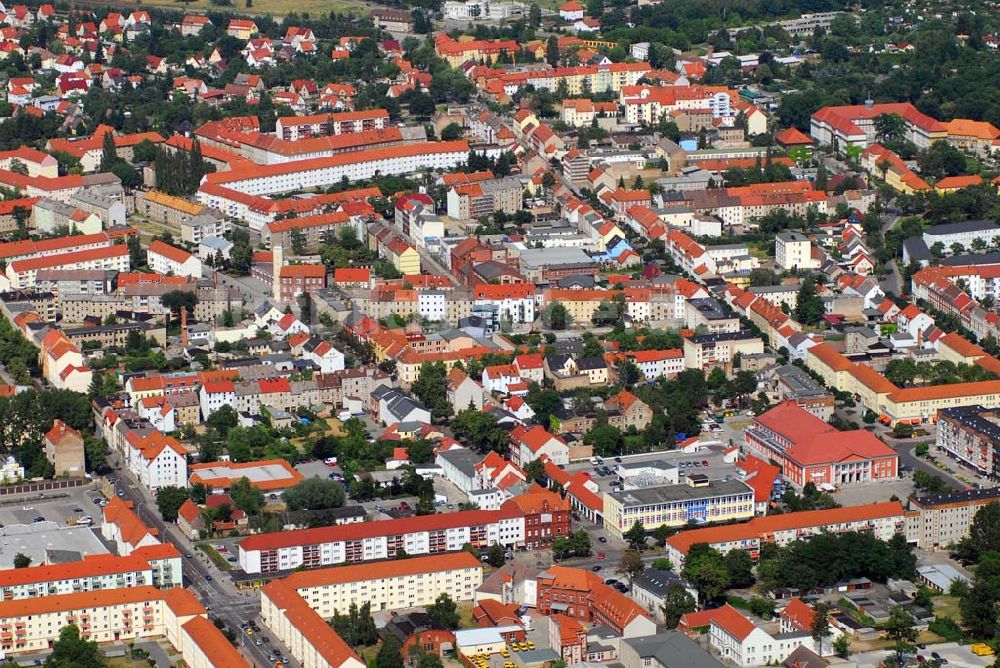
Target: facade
942,520
582,595
971,435
707,350
739,640
172,261
793,250
883,520
390,585
678,505
64,449
368,541
810,450
671,649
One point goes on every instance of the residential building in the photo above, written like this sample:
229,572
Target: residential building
582,595
744,643
389,585
882,520
368,541
940,521
854,125
267,475
971,435
793,250
64,449
703,351
671,649
650,588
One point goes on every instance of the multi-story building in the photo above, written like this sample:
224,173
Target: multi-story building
854,125
707,350
172,261
310,640
314,230
677,505
297,279
942,520
293,128
119,616
711,316
92,573
882,520
369,541
471,201
793,250
390,585
583,596
20,274
811,450
971,435
744,643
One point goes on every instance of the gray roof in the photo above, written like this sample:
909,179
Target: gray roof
656,581
916,249
961,228
463,459
647,496
547,257
672,649
218,243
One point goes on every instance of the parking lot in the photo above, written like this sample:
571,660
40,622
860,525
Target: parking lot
687,463
63,507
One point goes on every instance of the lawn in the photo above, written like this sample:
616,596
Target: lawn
217,559
125,662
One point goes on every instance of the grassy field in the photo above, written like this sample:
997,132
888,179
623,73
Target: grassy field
219,560
125,662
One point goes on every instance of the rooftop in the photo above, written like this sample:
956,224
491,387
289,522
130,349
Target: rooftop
647,496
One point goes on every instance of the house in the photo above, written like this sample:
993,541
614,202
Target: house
190,520
650,588
464,392
739,640
322,353
626,410
394,406
242,28
64,449
527,445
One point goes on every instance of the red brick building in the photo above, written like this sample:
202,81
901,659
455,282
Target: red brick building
546,516
299,278
583,596
810,450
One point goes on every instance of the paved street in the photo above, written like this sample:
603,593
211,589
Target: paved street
213,587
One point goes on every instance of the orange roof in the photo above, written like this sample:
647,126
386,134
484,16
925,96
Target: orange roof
181,601
969,128
121,514
303,271
793,136
330,647
957,182
770,524
538,500
320,220
364,530
216,648
799,613
826,354
227,473
90,566
961,345
937,392
61,430
730,620
351,275
65,259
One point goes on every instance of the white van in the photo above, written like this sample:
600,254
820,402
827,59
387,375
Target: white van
330,461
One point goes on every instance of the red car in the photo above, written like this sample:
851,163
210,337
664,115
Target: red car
601,555
704,462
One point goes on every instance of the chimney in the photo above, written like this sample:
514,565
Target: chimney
184,328
277,260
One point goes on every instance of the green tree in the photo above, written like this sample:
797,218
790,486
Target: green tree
73,651
21,560
534,15
298,242
241,254
740,568
842,646
175,300
984,532
169,500
451,132
630,564
109,154
899,628
706,570
606,439
495,556
889,127
246,497
315,494
809,308
552,51
534,470
556,315
389,655
443,612
636,536
676,603
820,626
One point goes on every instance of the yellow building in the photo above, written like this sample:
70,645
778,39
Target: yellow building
118,616
404,257
390,585
677,505
581,304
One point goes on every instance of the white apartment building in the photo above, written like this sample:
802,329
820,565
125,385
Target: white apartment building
172,261
737,639
370,541
20,274
793,250
390,585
